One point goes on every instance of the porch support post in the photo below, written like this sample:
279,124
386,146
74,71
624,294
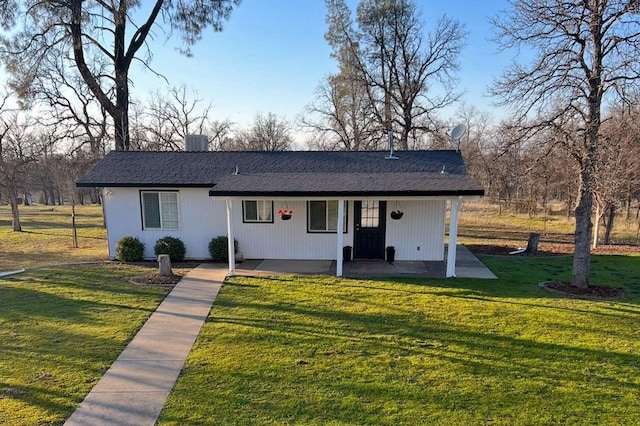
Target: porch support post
340,238
453,237
230,245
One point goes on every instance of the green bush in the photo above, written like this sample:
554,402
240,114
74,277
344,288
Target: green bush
129,249
174,247
218,249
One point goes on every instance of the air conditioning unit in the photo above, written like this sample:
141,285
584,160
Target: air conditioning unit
196,143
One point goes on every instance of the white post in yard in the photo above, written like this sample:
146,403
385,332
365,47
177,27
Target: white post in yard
453,237
340,238
231,246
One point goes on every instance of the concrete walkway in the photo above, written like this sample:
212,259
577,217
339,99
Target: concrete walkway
135,388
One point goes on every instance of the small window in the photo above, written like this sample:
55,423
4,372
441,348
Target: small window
323,216
159,210
370,214
257,211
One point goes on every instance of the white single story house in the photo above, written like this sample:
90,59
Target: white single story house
336,199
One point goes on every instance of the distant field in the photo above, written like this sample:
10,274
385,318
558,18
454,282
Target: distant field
47,236
485,230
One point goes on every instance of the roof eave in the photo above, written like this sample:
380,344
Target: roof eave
333,194
141,185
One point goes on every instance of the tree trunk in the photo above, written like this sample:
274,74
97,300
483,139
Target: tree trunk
582,253
164,265
121,127
611,213
15,215
532,243
596,225
73,223
121,113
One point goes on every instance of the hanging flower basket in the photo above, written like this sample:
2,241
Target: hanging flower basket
285,214
397,214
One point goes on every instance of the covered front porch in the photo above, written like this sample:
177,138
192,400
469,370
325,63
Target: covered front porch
370,227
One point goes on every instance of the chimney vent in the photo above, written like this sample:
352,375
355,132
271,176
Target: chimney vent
196,143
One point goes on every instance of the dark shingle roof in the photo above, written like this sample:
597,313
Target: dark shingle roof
285,184
289,172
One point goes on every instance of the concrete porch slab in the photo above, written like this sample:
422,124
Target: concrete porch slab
467,266
283,266
402,268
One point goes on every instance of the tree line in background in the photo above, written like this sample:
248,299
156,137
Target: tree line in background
522,175
572,135
48,151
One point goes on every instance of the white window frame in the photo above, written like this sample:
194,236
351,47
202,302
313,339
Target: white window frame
162,207
326,229
262,206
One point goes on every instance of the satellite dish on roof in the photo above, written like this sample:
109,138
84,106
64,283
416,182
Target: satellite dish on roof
456,133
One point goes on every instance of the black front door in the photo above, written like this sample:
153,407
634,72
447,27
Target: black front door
369,229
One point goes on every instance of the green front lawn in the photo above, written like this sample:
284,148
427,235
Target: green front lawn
60,330
337,351
47,237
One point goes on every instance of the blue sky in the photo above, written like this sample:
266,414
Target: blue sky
272,55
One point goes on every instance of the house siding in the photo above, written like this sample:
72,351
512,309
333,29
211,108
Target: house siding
421,226
288,239
202,218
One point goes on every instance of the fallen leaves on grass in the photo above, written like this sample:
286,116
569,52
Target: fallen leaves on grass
550,249
590,292
156,280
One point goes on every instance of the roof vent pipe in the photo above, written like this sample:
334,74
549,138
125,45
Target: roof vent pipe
391,156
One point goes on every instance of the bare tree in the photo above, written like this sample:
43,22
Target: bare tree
341,115
585,52
406,77
96,32
17,152
403,67
268,133
476,142
618,167
171,117
42,173
72,112
220,135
